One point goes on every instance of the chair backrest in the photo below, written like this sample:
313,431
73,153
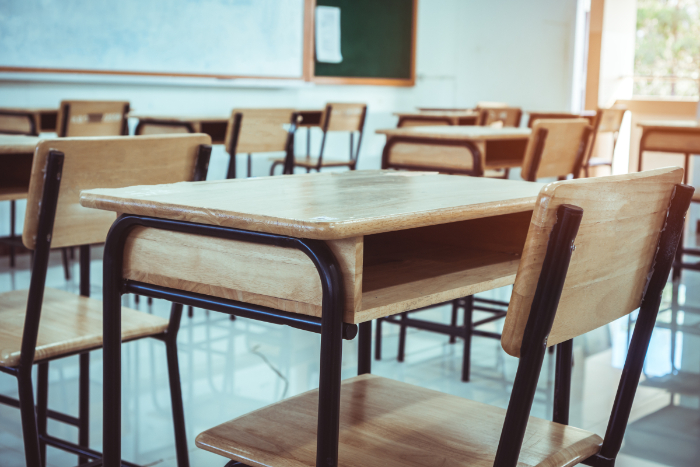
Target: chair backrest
500,116
557,148
18,123
107,162
148,127
344,117
258,130
533,116
609,120
617,241
92,118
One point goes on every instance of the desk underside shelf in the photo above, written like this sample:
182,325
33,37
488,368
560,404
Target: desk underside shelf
384,274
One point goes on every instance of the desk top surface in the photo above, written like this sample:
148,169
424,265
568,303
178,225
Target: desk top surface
689,125
467,133
17,144
324,206
439,113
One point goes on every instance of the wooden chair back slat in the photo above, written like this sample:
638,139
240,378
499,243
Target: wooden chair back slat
109,162
18,123
92,118
563,151
152,128
344,117
261,130
616,244
500,116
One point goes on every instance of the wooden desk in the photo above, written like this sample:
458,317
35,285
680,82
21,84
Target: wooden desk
16,165
679,137
454,149
328,249
674,136
44,118
213,125
433,117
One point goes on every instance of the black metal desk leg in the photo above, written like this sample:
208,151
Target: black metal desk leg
364,351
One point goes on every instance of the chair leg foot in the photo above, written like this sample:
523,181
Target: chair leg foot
30,431
176,401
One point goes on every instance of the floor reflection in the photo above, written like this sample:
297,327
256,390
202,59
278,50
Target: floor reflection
230,368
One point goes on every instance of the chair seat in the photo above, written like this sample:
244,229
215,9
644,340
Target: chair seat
597,161
392,424
696,196
13,193
69,324
312,163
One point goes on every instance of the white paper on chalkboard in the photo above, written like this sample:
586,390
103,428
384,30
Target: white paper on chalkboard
328,34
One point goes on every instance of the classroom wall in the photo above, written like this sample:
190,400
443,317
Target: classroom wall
467,51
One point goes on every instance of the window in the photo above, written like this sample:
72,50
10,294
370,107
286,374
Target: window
667,56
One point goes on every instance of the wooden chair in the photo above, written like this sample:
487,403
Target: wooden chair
336,118
596,250
16,123
500,116
606,121
42,324
92,118
259,130
556,148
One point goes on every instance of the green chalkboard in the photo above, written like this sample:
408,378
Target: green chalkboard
376,40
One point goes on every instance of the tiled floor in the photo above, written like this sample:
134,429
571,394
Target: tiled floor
229,368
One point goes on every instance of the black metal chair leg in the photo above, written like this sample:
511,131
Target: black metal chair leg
13,208
466,358
84,406
378,340
453,322
66,265
190,312
30,432
402,337
176,397
42,409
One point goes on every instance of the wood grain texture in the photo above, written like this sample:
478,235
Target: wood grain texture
91,118
69,324
561,152
345,116
104,162
281,278
323,206
615,246
262,130
392,424
460,132
17,144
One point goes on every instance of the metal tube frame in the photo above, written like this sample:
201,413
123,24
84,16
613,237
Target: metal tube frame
332,328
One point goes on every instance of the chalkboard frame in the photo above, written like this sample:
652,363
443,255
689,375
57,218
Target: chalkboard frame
310,61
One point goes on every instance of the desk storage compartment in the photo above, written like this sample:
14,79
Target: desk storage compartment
410,269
